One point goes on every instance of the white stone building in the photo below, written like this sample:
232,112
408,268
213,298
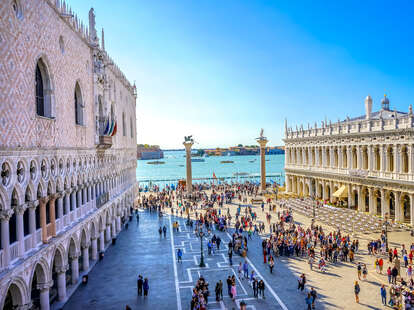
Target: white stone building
67,151
367,162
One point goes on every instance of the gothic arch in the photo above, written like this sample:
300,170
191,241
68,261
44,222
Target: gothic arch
40,269
18,294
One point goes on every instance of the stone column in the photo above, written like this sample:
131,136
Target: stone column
189,181
89,192
412,209
383,158
118,224
101,241
52,215
113,227
94,245
287,179
385,208
75,268
359,157
32,221
84,194
349,156
371,201
79,197
262,142
370,158
85,256
61,281
19,210
411,159
108,231
42,206
60,209
5,216
360,199
397,156
398,212
67,202
349,195
73,194
44,295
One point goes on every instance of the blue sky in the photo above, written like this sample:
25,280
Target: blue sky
221,70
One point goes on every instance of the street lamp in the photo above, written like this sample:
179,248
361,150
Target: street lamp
386,223
202,254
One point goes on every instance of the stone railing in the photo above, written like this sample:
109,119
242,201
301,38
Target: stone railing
358,126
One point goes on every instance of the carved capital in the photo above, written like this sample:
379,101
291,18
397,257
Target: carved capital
86,245
43,200
45,286
62,269
74,256
5,215
20,209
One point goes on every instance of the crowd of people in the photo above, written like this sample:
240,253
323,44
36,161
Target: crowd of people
285,238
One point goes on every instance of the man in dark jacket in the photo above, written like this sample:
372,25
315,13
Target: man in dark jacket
261,287
140,284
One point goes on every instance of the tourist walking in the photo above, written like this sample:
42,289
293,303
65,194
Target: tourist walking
256,288
271,264
359,270
383,295
220,289
140,283
230,253
229,282
364,271
301,282
261,287
146,287
160,231
179,255
233,290
164,229
308,301
246,270
314,295
357,289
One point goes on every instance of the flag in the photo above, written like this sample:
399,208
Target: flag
214,176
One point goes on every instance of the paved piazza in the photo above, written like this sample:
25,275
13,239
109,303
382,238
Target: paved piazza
140,250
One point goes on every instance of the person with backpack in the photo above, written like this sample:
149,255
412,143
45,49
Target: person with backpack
314,295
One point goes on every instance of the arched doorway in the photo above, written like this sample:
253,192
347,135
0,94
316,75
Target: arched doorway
58,290
378,208
355,199
328,192
39,277
404,159
392,205
405,206
14,297
366,199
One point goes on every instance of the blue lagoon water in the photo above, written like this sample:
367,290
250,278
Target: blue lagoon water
174,168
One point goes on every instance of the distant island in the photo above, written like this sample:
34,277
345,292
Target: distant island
234,150
146,151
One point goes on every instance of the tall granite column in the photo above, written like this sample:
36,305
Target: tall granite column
189,182
262,142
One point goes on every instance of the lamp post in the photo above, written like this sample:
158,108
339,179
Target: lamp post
386,223
202,254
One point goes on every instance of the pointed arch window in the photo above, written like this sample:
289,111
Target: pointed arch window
78,105
43,89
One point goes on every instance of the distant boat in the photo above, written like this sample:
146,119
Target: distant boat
195,160
252,161
240,173
227,162
157,162
181,165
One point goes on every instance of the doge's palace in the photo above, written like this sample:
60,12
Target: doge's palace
365,163
67,151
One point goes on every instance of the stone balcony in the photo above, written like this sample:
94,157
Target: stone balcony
105,142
